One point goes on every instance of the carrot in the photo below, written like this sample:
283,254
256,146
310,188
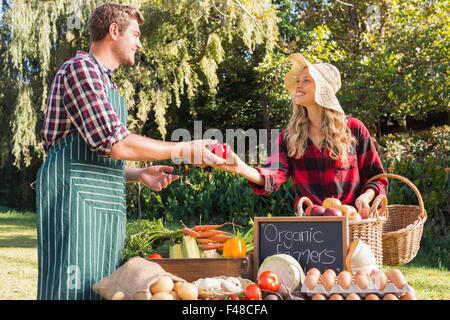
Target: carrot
190,232
206,227
209,233
204,240
220,238
209,246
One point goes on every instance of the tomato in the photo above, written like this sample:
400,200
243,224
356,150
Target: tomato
253,292
222,150
232,297
155,256
269,280
234,248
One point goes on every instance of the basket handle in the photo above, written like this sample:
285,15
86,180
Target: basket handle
406,181
373,211
299,212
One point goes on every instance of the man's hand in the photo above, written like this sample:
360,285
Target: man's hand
156,178
197,153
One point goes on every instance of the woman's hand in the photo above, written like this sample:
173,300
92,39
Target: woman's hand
196,153
363,201
156,178
233,164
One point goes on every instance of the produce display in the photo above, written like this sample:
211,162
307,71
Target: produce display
279,276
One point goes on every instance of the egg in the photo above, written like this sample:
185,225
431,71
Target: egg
409,295
327,279
313,271
380,279
336,297
390,296
311,280
344,279
396,278
353,296
362,279
318,296
372,296
330,271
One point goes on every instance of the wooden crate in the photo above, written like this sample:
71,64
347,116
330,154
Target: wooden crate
195,268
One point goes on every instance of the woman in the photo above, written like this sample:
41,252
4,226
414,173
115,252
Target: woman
325,153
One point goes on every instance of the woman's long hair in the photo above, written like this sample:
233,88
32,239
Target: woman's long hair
338,137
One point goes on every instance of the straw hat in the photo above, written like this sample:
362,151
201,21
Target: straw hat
326,77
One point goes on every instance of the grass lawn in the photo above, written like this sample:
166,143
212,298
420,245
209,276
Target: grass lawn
428,273
18,255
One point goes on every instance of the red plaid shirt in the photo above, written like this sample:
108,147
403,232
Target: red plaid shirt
78,101
317,176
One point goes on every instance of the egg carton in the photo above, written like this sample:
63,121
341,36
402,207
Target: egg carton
354,288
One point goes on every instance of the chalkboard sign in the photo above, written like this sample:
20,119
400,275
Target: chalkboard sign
319,242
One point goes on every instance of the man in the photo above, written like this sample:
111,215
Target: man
81,206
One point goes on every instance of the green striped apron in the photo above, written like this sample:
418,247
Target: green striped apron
81,216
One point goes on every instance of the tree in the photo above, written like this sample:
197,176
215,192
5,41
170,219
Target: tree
183,46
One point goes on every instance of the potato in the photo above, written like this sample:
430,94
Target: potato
176,285
119,295
164,284
162,296
175,295
142,295
188,291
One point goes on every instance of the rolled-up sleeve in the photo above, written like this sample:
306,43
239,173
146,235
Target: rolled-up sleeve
89,110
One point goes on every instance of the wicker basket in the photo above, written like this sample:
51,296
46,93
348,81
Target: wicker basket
369,230
403,230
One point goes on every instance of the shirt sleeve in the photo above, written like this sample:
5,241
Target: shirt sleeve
369,163
89,110
275,171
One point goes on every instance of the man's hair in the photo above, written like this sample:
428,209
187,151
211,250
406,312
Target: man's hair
109,13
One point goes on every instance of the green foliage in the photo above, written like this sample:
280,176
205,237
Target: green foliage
431,180
421,146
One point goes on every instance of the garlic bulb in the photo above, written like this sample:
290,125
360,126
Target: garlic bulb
360,257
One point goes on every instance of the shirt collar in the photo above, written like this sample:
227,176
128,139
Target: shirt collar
88,56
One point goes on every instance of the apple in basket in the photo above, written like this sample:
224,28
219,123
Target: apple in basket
331,203
354,216
347,209
332,212
315,210
364,213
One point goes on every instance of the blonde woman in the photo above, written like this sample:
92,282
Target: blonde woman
325,153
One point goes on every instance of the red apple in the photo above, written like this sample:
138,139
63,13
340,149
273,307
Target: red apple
317,211
332,212
308,210
364,213
221,150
